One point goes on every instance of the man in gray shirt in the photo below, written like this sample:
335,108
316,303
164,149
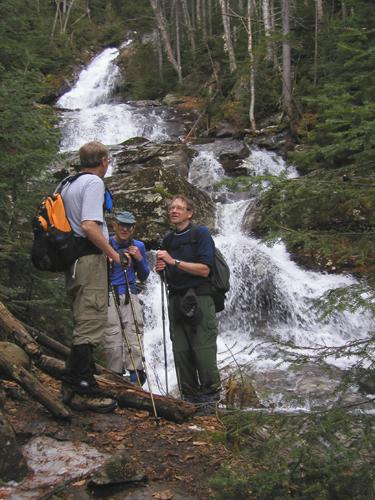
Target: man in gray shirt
87,279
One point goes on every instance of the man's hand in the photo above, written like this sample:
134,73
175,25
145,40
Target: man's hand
162,259
135,253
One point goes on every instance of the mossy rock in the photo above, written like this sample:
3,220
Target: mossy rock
146,193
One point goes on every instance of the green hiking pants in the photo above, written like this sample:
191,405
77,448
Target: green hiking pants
194,349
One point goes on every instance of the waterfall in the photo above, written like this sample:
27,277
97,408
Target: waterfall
94,115
271,297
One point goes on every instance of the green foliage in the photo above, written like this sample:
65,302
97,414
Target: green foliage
147,83
328,217
344,97
328,455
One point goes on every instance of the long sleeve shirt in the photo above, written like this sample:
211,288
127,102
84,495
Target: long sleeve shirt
137,269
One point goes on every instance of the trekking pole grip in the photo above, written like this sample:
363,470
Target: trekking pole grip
124,261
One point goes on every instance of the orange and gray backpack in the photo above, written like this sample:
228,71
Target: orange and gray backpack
55,246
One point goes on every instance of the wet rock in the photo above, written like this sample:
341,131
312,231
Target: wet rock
172,100
225,129
252,216
147,192
366,381
232,160
119,469
12,463
138,156
273,139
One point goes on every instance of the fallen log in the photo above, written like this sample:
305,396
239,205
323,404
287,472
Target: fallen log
11,329
49,343
127,395
32,386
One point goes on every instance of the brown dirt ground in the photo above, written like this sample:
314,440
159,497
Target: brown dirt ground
177,459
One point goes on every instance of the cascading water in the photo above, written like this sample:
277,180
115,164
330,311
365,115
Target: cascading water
94,116
270,298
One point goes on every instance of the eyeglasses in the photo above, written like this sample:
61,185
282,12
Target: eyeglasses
124,225
178,208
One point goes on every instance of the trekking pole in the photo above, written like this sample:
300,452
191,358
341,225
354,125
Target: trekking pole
176,366
162,281
123,331
123,265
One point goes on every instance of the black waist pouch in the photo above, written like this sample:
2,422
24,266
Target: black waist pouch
189,309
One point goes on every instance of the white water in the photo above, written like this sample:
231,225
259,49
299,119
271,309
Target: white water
270,295
94,116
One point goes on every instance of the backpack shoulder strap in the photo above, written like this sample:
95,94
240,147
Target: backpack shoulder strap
70,179
167,240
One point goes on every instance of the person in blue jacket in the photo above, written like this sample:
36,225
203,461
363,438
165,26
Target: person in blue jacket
122,342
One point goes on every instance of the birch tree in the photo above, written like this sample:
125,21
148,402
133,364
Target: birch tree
252,67
227,35
162,25
177,27
267,27
62,15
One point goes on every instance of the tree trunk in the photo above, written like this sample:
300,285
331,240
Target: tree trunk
319,9
318,19
177,25
162,25
252,68
32,385
198,14
204,20
267,28
209,17
286,70
227,36
189,26
160,54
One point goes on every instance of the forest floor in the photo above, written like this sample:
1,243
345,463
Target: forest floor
165,461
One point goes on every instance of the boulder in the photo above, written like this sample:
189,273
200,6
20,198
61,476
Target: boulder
252,216
232,160
15,355
137,155
12,463
146,193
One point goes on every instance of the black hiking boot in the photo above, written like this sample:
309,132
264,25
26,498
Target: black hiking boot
207,404
80,390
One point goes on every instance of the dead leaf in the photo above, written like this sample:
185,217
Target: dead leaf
79,483
141,414
199,443
163,495
184,440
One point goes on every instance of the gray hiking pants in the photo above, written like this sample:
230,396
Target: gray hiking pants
87,287
117,344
